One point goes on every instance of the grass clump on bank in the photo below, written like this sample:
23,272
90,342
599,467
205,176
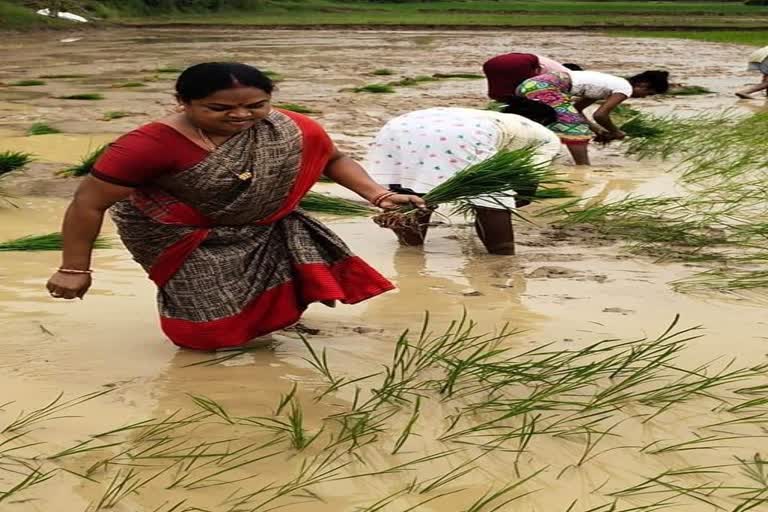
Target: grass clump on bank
86,164
49,242
86,96
42,129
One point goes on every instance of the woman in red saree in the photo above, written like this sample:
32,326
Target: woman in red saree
206,202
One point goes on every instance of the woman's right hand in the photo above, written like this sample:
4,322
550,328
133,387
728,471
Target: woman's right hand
68,286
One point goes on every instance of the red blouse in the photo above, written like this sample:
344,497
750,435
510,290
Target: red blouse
145,153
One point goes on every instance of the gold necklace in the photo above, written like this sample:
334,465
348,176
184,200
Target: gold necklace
211,146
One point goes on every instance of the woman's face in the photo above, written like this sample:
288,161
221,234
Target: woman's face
228,111
642,90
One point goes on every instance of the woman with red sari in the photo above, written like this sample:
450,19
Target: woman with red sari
206,201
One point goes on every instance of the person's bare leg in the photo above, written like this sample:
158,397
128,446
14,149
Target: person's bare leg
580,153
494,227
413,234
745,93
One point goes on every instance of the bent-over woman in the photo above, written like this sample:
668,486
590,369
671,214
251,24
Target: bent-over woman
758,61
415,152
206,201
504,73
570,93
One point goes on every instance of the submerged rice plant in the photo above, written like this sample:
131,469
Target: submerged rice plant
41,129
86,164
168,69
375,88
321,203
12,160
63,76
49,242
86,96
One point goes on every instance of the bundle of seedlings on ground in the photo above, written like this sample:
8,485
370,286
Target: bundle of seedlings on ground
495,178
464,76
322,203
41,129
114,114
128,85
409,81
12,160
294,107
86,96
452,410
86,164
49,242
375,89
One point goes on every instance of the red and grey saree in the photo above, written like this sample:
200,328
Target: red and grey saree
235,259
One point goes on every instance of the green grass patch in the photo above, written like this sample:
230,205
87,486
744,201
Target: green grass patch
114,114
41,129
751,37
294,107
383,72
375,89
86,164
27,83
12,160
129,85
87,96
49,242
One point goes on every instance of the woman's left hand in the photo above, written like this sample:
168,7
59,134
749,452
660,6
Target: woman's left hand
398,200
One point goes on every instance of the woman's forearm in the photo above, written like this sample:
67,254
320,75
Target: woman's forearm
82,224
349,174
606,122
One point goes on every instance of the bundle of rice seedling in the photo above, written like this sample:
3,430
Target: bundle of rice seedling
640,127
465,76
321,203
42,129
49,242
493,178
12,160
375,89
85,165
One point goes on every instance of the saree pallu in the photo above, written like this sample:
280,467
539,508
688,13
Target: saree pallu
234,259
553,89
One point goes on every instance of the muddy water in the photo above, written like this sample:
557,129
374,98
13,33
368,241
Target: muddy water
569,291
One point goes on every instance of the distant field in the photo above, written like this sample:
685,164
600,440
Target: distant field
718,21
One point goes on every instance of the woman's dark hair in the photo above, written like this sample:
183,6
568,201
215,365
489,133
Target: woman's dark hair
533,110
204,79
657,80
572,66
